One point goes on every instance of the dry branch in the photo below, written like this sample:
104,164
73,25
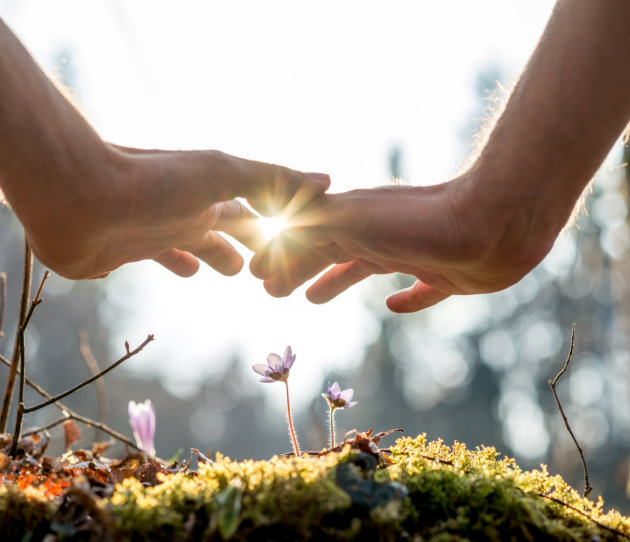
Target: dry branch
3,301
91,379
552,385
101,389
20,336
26,292
70,414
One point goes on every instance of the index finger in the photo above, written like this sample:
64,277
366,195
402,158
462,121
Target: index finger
268,187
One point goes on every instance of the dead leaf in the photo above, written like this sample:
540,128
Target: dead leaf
71,432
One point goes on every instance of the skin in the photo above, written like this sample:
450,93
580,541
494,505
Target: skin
88,207
487,228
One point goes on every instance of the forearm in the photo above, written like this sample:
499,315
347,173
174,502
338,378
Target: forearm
45,143
565,113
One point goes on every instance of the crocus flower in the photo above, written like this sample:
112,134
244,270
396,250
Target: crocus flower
337,398
277,368
142,421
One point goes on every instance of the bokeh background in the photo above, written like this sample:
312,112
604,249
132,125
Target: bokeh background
365,91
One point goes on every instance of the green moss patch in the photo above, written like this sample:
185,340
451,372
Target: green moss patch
420,491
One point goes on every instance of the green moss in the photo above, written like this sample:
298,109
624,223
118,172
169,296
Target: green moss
23,512
452,494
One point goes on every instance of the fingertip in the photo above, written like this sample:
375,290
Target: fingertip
420,296
180,262
257,266
321,178
233,267
317,297
395,304
276,288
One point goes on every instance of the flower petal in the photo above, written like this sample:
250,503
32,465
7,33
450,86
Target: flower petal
346,395
261,368
142,421
335,389
275,362
289,358
350,405
267,380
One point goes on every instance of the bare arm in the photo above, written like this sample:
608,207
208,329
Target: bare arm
567,110
486,229
88,207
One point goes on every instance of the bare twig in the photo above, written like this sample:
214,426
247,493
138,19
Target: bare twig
15,358
90,423
90,380
3,300
21,330
552,385
581,512
101,389
70,414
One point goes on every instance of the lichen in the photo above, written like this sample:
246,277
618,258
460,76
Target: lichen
452,493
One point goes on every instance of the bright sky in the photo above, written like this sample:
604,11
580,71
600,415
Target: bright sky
320,86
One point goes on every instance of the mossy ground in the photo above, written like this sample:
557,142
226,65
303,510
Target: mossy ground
452,493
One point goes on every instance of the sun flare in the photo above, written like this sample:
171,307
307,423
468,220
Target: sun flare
271,226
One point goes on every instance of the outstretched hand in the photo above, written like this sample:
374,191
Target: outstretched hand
432,233
163,205
88,207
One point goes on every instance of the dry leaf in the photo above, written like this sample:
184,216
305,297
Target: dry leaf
71,432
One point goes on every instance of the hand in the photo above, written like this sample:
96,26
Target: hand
133,205
88,207
438,234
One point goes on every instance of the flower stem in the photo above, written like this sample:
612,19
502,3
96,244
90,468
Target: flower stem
296,447
332,427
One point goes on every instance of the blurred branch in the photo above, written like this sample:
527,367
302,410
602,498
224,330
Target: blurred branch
3,300
92,379
581,512
70,414
552,385
26,292
20,336
101,388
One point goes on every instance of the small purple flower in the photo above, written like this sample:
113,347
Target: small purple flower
277,368
142,421
337,398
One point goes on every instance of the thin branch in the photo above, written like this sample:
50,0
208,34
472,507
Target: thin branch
47,427
90,380
581,512
22,329
3,301
552,385
70,414
90,423
36,387
26,292
101,389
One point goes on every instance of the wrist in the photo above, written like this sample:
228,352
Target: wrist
511,231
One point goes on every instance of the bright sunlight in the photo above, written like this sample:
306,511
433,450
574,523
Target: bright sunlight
271,226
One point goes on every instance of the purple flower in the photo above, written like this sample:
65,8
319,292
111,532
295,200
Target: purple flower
142,421
337,398
277,368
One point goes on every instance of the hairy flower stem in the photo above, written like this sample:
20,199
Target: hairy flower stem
332,427
296,447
